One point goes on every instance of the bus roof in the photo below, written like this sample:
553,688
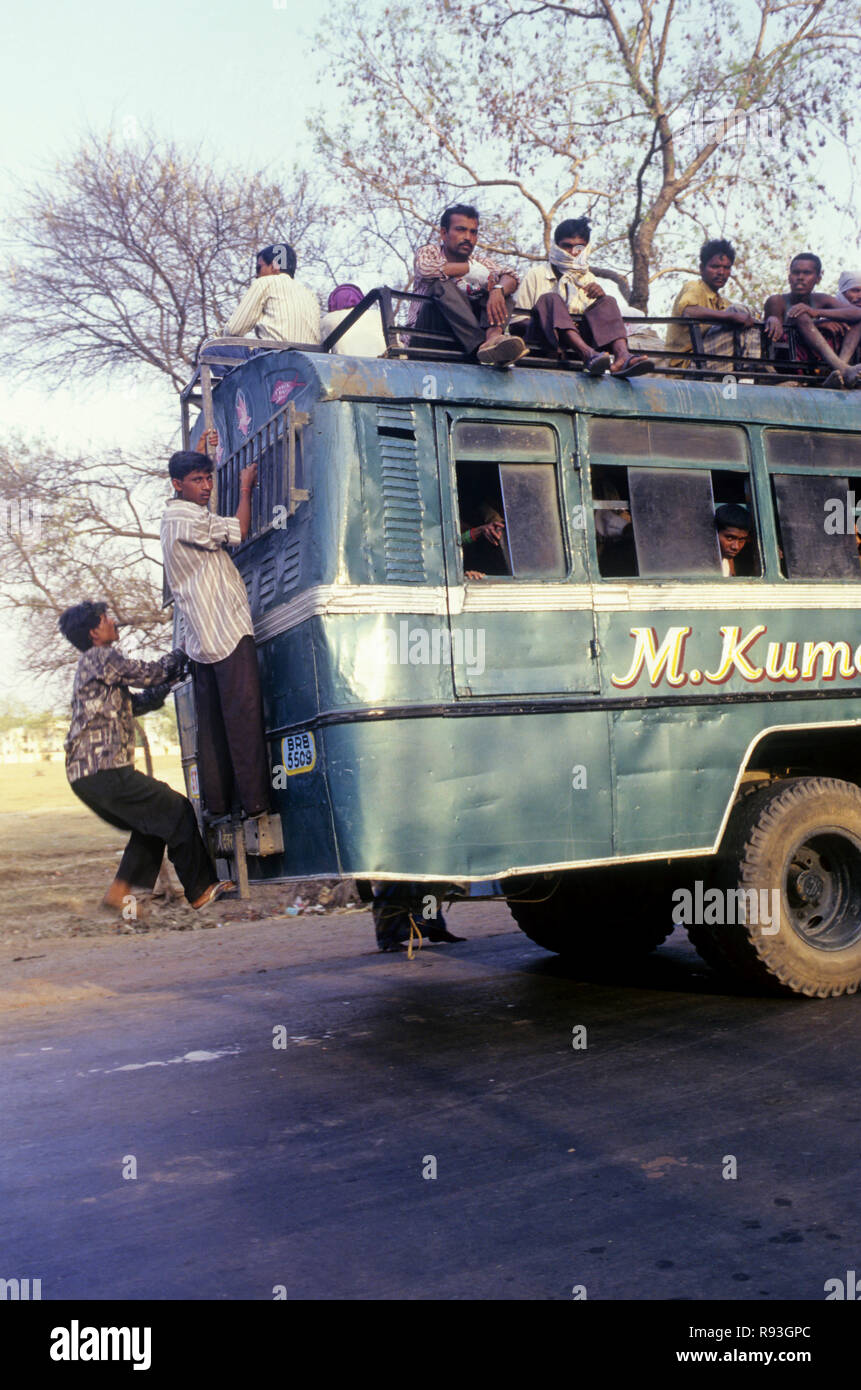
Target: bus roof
336,377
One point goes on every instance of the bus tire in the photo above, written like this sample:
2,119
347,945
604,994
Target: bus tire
801,839
631,907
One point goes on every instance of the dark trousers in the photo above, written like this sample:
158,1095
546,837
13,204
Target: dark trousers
231,746
454,312
157,816
600,325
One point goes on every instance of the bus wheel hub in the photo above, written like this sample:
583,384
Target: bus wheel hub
809,886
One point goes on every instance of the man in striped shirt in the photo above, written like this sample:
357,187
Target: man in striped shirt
277,306
218,635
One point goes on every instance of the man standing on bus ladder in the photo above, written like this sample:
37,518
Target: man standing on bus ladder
218,636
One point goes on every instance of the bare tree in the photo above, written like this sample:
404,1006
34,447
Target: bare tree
135,250
683,117
75,528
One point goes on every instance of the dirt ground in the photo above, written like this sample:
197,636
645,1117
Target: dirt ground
57,859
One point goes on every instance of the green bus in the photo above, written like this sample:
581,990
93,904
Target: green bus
602,725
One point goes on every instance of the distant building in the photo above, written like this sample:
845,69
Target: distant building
23,744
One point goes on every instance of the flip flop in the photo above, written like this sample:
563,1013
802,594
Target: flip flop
597,364
635,366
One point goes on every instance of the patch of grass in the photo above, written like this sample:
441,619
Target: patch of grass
43,786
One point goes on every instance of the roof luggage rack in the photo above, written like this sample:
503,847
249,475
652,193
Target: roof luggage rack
777,364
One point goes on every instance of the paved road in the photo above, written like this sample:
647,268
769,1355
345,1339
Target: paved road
302,1166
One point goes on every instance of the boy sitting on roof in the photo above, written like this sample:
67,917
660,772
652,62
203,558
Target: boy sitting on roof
564,286
702,300
821,321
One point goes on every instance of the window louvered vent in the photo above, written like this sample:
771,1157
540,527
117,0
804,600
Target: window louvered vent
265,580
402,504
288,567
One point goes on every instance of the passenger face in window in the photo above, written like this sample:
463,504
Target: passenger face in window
733,530
732,541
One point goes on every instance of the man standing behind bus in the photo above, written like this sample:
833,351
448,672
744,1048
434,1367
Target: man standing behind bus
218,636
469,292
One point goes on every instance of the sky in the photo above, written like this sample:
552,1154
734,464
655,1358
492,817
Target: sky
239,77
220,72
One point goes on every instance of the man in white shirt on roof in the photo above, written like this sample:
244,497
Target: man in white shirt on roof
218,635
563,288
277,306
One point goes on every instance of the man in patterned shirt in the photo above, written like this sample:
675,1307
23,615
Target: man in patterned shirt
100,761
469,291
218,636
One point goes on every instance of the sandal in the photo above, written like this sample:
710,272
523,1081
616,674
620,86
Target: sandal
633,366
214,892
597,364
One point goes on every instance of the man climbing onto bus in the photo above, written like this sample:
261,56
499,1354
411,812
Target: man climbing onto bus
218,636
276,306
702,300
821,321
564,286
100,756
469,292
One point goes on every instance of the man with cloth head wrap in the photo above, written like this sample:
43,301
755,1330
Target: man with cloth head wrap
564,286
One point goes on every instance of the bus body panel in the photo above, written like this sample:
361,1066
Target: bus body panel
426,727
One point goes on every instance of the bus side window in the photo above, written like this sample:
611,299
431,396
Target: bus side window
656,522
614,535
672,510
816,526
508,473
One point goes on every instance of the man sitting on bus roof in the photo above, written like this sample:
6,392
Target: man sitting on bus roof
468,290
822,321
276,306
702,300
366,337
218,636
564,285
